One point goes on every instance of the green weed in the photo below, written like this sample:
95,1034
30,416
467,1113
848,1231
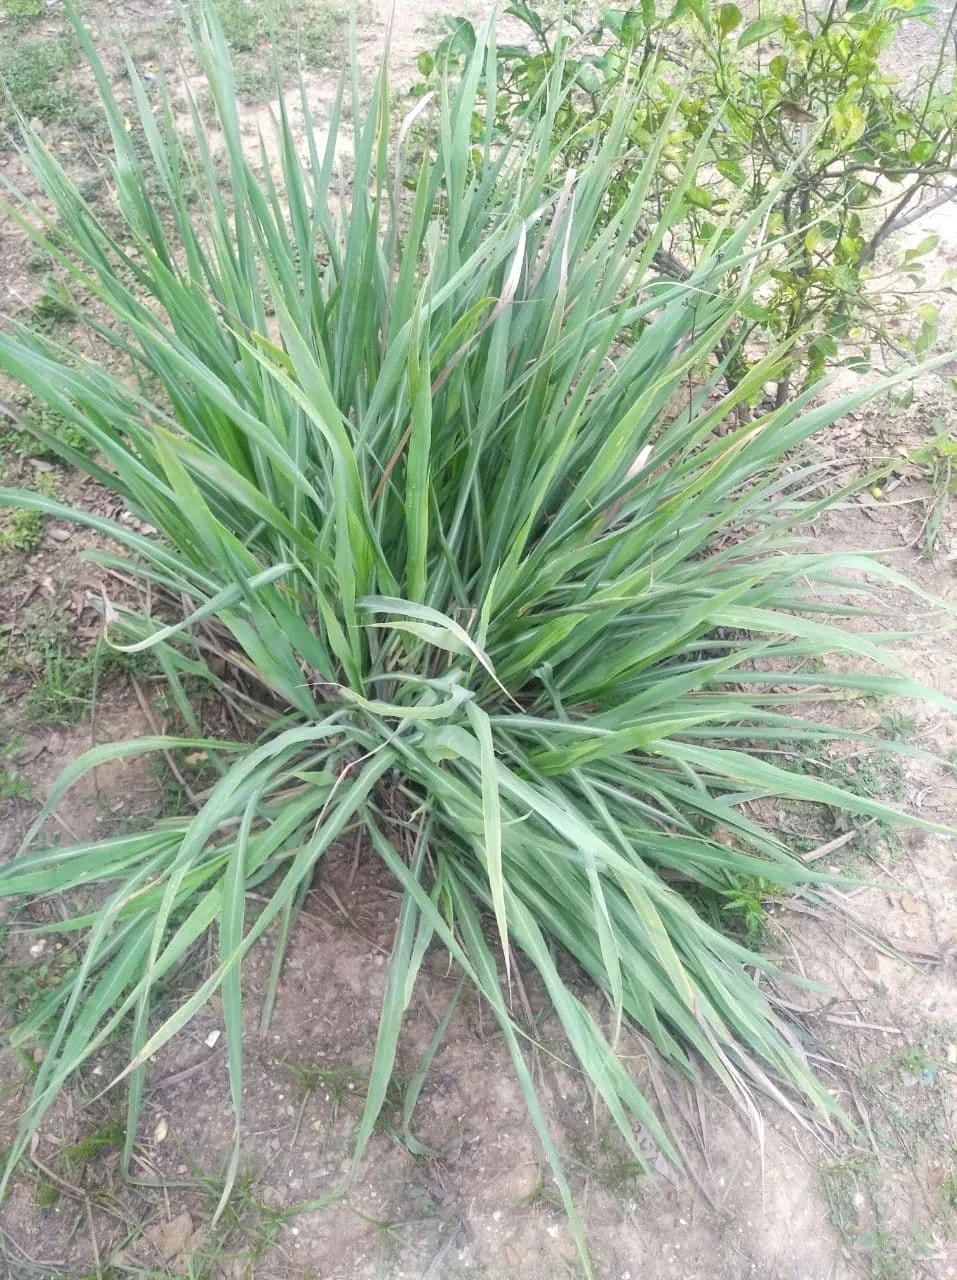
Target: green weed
46,1193
247,1227
35,78
335,1083
602,1158
937,458
543,1194
906,1101
53,307
13,785
67,682
284,36
21,530
25,985
872,773
746,899
39,431
63,680
107,1137
22,8
852,1191
37,259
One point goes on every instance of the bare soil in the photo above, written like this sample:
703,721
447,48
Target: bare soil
771,1200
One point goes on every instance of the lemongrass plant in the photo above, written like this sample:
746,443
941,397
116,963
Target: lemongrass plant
436,470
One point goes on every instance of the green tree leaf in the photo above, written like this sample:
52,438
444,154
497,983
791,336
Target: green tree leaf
929,325
699,197
729,16
702,11
922,151
920,250
733,171
849,122
760,29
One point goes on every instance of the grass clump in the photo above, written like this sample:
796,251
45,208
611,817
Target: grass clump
34,80
64,679
21,530
19,9
25,982
13,786
439,472
53,307
268,37
67,683
38,431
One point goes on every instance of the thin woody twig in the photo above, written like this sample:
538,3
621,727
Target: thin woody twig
837,843
77,1192
167,755
862,1026
897,220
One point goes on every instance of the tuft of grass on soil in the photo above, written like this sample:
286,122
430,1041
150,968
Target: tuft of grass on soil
39,431
20,9
63,680
53,307
285,36
24,982
872,772
889,1202
245,1225
35,79
65,690
13,785
21,530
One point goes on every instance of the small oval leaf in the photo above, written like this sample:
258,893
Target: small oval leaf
729,16
758,30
